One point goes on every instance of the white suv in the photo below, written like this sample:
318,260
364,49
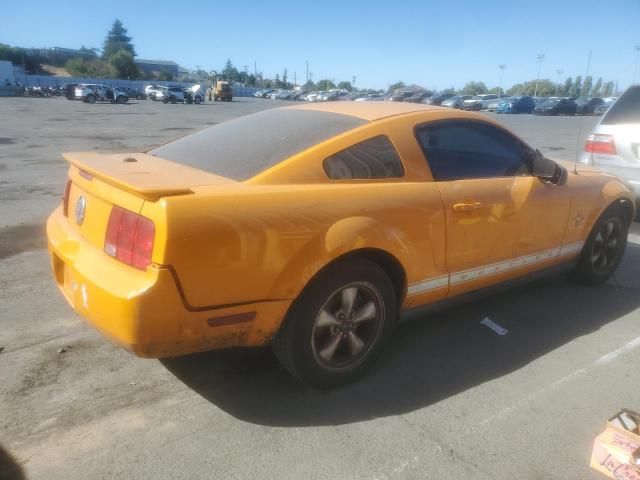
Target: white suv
171,95
614,145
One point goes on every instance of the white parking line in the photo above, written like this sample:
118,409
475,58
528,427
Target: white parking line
603,360
487,322
634,238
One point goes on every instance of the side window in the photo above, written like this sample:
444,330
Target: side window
371,159
463,149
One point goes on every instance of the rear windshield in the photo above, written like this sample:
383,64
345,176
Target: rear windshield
242,148
625,110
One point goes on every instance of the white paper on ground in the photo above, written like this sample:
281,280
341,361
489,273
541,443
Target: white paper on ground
494,326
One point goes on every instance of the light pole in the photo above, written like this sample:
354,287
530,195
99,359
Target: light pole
635,71
559,72
501,67
539,59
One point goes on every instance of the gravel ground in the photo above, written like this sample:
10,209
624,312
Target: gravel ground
449,398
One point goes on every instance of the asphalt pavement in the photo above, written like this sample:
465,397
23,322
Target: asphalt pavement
449,398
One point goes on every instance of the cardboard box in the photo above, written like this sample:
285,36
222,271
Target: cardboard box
616,451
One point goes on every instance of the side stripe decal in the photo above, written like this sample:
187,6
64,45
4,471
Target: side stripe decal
463,276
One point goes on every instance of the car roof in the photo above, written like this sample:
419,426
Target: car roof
368,111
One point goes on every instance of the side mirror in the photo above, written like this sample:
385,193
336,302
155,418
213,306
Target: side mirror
548,170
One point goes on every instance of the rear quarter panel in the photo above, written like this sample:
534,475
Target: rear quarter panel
254,243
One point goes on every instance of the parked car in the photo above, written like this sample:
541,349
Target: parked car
437,98
370,97
298,95
516,105
134,94
541,100
151,90
93,92
455,101
173,94
479,102
586,105
494,103
179,237
614,146
194,94
417,97
400,96
556,106
69,90
601,109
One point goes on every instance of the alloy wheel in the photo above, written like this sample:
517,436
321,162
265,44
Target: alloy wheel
606,245
347,326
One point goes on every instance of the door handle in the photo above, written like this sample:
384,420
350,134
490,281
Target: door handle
466,207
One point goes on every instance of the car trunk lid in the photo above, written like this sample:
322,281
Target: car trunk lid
98,183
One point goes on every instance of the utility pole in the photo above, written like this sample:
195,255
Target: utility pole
539,59
635,71
501,67
353,83
295,79
307,69
559,72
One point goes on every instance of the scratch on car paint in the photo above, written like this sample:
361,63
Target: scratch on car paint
85,296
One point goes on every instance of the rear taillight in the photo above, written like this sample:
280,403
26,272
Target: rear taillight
600,143
129,238
65,198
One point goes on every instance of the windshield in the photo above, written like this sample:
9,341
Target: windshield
240,149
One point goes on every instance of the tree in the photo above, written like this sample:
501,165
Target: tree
124,65
117,40
325,84
568,85
96,68
345,86
474,88
608,89
284,77
396,86
546,88
597,88
577,87
586,86
494,90
230,72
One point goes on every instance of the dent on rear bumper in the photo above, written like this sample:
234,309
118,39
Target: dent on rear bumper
143,311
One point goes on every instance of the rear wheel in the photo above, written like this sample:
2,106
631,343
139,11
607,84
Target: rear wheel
604,248
91,98
336,328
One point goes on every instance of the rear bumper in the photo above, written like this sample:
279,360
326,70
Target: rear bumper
143,311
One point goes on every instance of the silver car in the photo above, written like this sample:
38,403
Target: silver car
614,145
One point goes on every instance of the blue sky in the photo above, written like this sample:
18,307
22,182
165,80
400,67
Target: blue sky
435,44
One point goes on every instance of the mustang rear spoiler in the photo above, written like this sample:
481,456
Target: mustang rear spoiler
143,175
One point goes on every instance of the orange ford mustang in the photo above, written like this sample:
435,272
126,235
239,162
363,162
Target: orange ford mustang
314,228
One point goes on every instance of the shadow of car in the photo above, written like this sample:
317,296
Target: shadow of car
427,360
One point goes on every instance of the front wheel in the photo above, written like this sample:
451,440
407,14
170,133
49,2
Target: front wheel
604,248
337,327
91,99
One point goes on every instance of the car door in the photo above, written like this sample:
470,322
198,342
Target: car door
501,222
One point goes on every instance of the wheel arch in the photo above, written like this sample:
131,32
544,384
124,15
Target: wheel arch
383,259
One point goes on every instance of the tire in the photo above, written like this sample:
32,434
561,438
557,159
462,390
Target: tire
138,97
198,100
322,346
604,248
91,99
